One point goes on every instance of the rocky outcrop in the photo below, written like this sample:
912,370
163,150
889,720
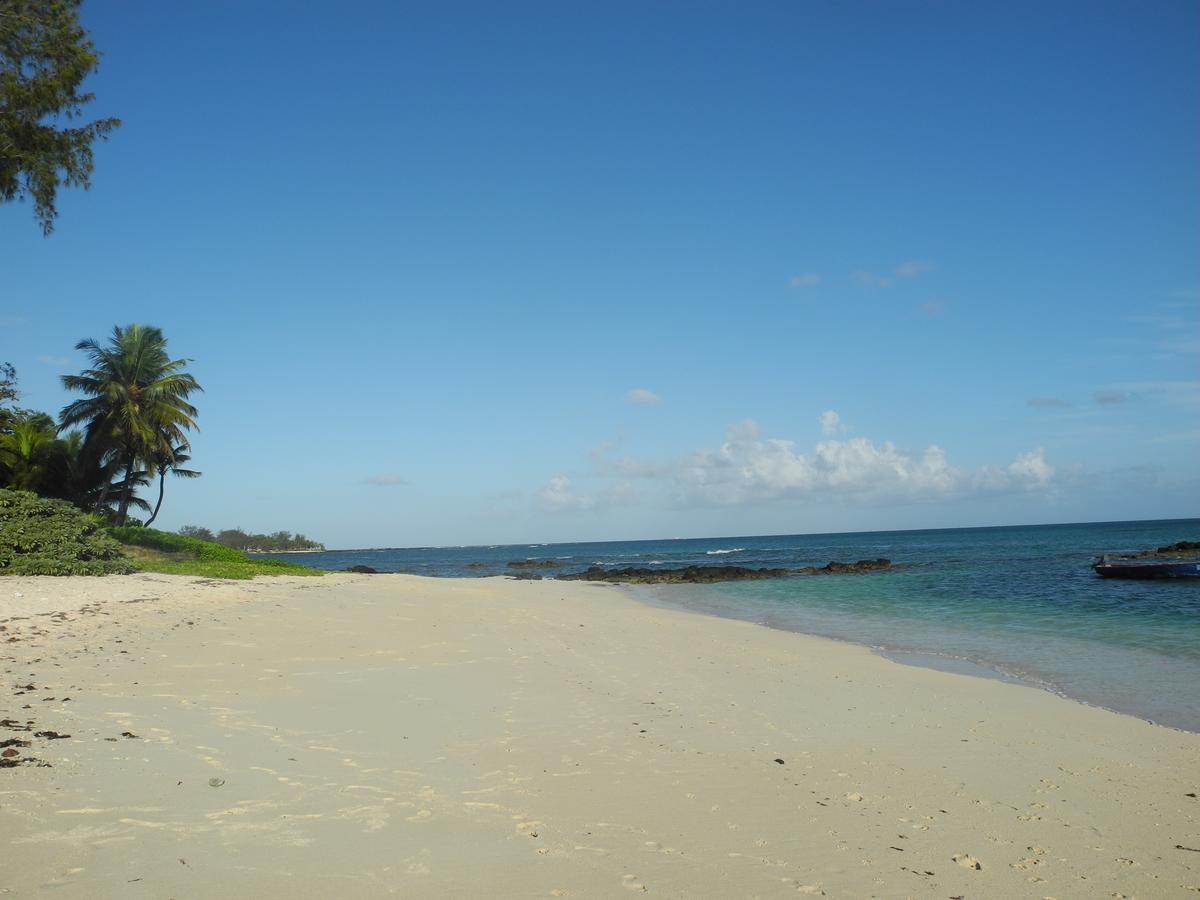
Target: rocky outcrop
713,574
1171,551
840,568
362,570
687,575
525,576
532,564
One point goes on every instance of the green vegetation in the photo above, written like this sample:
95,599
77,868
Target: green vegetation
134,416
177,554
279,542
50,537
135,411
45,55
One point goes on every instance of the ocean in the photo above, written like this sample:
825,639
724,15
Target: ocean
1018,603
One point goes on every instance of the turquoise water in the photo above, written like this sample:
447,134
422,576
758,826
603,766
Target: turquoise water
1016,602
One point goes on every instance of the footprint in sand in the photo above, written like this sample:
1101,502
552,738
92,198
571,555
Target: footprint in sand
966,861
813,890
631,883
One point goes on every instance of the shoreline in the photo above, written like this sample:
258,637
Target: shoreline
372,734
937,658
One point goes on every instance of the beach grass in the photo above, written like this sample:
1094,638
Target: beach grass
174,554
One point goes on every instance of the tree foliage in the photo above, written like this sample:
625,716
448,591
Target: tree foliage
135,411
45,56
179,554
268,543
170,462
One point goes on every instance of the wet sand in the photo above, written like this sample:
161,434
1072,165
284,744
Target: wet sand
371,736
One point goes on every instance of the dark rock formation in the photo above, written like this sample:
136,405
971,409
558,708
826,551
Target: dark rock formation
840,568
476,565
1180,548
712,574
532,564
362,570
688,575
525,576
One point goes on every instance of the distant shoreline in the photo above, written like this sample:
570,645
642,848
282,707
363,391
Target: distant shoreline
278,552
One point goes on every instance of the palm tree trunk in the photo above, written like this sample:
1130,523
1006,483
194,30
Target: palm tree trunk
126,491
162,483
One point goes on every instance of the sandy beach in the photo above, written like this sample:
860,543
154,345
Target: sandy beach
372,736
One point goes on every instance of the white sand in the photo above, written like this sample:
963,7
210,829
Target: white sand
393,735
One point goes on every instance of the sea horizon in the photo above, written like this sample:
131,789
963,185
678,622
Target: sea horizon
729,537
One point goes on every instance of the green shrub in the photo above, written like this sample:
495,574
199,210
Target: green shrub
51,537
192,556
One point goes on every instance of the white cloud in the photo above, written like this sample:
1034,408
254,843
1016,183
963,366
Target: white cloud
558,496
747,469
870,279
933,307
912,268
386,479
808,279
908,269
643,397
1048,403
831,422
54,360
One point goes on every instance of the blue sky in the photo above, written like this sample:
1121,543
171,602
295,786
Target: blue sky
541,271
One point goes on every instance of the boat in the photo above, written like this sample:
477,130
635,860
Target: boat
1146,568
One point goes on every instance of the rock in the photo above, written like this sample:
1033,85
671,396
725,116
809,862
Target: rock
687,575
362,570
840,568
532,564
476,565
525,576
216,782
1180,546
711,574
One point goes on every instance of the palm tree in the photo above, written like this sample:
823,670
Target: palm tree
24,452
135,410
171,463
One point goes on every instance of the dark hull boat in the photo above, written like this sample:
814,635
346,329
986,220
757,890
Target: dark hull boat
1147,568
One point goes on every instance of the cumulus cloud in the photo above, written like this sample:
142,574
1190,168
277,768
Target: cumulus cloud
831,422
747,469
386,479
643,397
1048,403
808,279
558,496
